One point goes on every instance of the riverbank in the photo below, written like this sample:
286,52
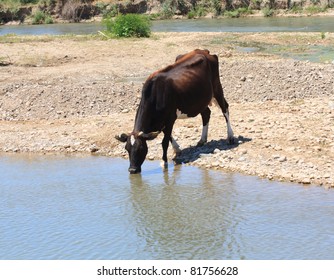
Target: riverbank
74,94
32,12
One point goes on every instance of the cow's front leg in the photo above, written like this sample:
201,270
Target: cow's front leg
165,142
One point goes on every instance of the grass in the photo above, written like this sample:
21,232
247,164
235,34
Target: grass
238,12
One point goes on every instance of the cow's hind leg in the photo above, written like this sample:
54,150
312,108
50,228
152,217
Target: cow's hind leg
176,147
205,121
224,106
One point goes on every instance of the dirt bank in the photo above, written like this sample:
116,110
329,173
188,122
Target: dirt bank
73,94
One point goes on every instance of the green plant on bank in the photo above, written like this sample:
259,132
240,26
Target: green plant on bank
267,12
40,17
296,9
315,9
12,6
323,35
129,25
168,9
238,12
217,6
107,9
197,11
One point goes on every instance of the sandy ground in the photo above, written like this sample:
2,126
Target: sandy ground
74,94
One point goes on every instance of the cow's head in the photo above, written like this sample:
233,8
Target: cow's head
137,148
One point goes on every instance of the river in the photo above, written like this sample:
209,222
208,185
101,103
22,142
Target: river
87,207
258,24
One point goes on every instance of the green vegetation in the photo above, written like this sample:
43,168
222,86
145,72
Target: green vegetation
267,12
40,17
315,9
197,11
76,10
129,25
238,12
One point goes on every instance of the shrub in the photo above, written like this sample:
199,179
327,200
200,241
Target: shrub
198,11
267,12
168,9
41,17
315,9
238,12
129,25
28,1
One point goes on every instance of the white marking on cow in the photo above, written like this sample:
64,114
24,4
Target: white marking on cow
229,128
176,146
204,137
180,115
132,140
164,164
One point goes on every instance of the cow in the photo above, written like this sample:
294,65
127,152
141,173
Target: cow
185,88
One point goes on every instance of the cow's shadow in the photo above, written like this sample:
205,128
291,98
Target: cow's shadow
193,153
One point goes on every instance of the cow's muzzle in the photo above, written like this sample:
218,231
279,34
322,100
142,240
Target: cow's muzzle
134,170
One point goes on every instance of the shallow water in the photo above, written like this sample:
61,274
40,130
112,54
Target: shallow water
61,207
258,24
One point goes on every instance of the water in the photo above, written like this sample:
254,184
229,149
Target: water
61,207
262,24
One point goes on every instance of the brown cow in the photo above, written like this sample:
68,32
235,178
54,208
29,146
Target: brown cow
185,88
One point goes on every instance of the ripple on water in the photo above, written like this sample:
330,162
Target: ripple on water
59,207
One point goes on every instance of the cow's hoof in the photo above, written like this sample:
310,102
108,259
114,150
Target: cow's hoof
200,143
231,140
164,164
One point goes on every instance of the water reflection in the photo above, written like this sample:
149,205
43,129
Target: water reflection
58,207
182,220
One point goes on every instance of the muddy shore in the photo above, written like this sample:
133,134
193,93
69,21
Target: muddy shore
73,94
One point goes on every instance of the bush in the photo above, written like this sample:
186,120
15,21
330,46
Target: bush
267,12
198,11
41,17
129,25
238,12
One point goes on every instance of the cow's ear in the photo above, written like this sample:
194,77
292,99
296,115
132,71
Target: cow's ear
148,136
123,137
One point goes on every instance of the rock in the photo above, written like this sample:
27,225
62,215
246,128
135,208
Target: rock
306,181
282,159
93,148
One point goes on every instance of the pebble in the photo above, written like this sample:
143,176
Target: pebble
282,159
306,181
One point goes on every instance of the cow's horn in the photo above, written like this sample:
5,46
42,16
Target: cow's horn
149,136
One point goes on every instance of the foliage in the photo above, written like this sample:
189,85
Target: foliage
267,12
197,11
28,1
238,12
315,9
40,17
217,7
129,25
296,9
12,6
168,9
107,9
